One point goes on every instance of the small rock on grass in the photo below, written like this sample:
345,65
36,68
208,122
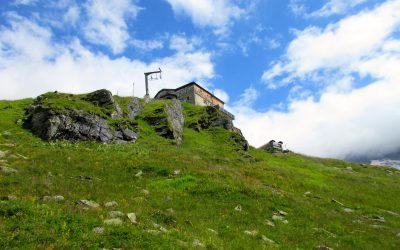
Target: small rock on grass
88,204
3,153
212,230
238,208
115,221
277,217
132,218
270,223
398,235
116,214
322,248
182,243
139,174
283,213
99,230
53,198
7,170
348,210
197,243
266,239
176,172
110,204
159,227
251,233
145,192
9,198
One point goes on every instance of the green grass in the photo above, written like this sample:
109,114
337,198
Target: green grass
214,178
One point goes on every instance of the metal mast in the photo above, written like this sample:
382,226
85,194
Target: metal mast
146,78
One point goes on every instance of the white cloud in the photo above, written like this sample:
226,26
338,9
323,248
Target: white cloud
107,23
340,120
147,45
71,67
218,14
221,94
72,15
297,7
184,44
336,7
25,2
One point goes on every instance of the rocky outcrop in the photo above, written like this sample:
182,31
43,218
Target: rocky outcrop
176,119
104,98
134,108
168,121
78,125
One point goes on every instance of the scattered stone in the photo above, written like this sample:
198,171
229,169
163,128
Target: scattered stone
145,191
110,204
212,230
116,214
170,211
132,218
134,108
349,168
283,213
7,133
9,198
391,212
307,193
21,156
115,221
88,204
139,174
176,172
153,232
398,235
197,243
348,210
325,231
159,227
182,243
377,226
335,201
379,218
277,217
270,223
3,153
251,233
285,222
266,239
99,230
175,119
322,248
238,208
7,170
53,198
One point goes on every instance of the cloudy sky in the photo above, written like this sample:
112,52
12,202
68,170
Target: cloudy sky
322,76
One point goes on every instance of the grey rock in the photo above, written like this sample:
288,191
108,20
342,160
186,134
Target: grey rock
270,223
170,211
398,235
88,204
159,227
116,214
266,239
3,153
176,172
132,218
9,198
212,231
134,108
322,248
182,243
238,208
114,221
7,170
104,98
283,213
53,198
251,233
139,174
78,125
145,191
197,243
277,217
99,230
348,210
110,204
176,119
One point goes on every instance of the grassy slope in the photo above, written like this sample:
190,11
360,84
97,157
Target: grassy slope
214,179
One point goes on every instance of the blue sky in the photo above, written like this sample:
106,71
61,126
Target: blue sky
308,72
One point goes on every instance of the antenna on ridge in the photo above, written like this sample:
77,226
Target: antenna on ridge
146,78
133,89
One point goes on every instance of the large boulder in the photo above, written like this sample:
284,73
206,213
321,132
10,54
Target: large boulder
52,123
134,108
104,98
176,119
